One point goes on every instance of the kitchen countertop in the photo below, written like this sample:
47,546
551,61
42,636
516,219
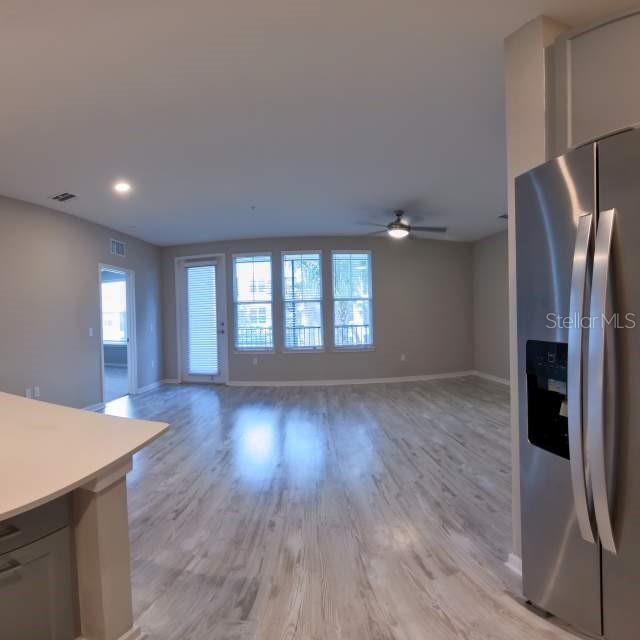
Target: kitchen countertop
47,450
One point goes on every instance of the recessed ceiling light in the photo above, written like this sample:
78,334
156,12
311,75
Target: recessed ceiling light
122,187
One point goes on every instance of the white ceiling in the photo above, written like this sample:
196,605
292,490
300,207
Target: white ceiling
321,114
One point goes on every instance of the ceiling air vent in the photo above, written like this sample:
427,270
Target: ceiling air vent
63,197
118,248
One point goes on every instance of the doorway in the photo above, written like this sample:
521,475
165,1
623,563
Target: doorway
117,333
202,319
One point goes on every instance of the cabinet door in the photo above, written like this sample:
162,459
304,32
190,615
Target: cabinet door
605,94
35,590
593,89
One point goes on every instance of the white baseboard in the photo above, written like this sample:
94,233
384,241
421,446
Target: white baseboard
514,563
149,387
323,383
133,634
94,407
488,376
347,381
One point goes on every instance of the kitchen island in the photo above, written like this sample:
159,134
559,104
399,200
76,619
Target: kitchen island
52,455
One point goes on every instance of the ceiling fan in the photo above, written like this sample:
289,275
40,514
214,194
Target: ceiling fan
399,229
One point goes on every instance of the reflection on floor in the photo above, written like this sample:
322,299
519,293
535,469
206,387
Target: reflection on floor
356,513
116,382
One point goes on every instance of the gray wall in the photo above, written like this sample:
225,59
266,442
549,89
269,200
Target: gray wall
422,308
491,306
49,299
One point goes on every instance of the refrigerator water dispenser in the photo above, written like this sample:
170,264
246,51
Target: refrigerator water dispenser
547,396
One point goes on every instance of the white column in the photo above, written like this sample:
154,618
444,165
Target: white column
103,565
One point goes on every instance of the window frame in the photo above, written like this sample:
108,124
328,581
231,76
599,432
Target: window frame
235,303
284,301
364,347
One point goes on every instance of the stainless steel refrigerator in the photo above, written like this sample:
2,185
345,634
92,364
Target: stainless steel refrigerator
578,289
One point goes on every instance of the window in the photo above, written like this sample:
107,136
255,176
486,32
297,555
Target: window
352,323
252,302
114,311
302,300
202,320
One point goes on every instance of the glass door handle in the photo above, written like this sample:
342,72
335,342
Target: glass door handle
596,385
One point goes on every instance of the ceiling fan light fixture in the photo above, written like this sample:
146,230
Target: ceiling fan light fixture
398,232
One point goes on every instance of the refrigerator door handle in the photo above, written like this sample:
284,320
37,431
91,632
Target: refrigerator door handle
574,378
596,383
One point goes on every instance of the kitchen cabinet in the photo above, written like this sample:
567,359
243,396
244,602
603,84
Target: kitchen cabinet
36,596
64,533
592,85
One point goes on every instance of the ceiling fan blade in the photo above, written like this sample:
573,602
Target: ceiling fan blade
377,233
371,224
430,229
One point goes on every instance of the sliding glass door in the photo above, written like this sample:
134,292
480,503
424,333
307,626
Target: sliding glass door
203,319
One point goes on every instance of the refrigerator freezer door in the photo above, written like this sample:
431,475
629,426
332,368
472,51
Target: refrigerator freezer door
561,570
619,173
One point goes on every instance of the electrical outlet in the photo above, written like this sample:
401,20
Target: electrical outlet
36,391
255,362
28,393
403,357
91,332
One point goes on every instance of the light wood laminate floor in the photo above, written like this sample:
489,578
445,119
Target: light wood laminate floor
378,512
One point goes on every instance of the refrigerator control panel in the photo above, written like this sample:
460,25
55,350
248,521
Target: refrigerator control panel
548,427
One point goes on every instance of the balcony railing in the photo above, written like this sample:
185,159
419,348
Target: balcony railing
258,338
352,335
303,338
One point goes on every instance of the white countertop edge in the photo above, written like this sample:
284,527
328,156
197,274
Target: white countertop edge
38,502
104,470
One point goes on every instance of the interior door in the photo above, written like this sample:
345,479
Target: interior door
204,332
619,175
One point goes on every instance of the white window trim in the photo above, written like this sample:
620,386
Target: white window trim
364,347
283,301
235,303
